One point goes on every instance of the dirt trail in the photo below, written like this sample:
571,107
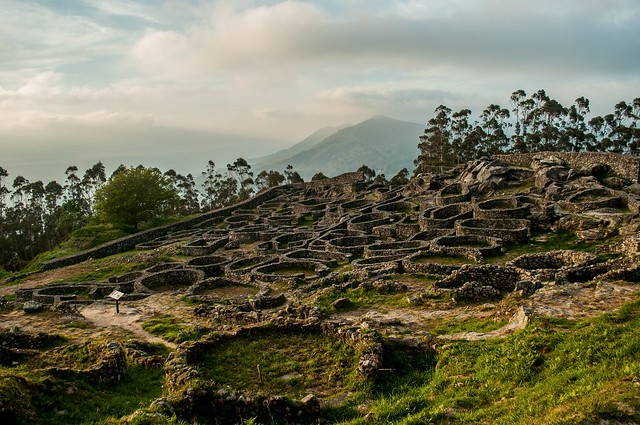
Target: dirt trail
130,318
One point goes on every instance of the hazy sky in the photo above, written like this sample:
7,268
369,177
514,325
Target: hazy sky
192,80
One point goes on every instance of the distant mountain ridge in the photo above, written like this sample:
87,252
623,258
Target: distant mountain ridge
307,143
384,144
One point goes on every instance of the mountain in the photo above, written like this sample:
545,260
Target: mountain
384,144
308,143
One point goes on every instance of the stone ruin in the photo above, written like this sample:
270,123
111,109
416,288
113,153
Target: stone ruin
286,244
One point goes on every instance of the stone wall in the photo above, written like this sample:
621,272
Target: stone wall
129,242
626,166
346,180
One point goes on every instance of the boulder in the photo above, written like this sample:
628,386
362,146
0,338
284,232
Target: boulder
32,307
474,291
342,303
545,176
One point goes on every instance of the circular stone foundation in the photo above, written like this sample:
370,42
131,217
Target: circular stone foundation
168,280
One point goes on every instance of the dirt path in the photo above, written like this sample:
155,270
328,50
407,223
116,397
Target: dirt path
130,318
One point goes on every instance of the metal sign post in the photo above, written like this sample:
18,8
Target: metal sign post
116,295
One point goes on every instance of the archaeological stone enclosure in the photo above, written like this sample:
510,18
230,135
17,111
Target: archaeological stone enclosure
304,259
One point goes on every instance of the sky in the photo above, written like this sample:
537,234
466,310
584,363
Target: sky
175,83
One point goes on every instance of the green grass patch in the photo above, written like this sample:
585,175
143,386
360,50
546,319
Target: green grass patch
553,372
304,221
361,298
290,364
81,239
170,329
98,403
560,239
288,271
115,265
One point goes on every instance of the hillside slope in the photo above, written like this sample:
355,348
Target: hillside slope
384,144
264,163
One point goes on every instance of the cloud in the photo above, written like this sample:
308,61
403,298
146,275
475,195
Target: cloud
494,35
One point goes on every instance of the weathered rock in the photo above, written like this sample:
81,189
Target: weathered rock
598,171
311,403
474,291
548,175
342,303
413,300
615,182
527,287
32,307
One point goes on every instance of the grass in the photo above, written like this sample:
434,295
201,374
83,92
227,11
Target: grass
304,221
98,403
81,239
30,395
553,372
361,298
560,239
170,329
290,363
115,265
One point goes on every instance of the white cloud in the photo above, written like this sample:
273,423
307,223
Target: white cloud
495,35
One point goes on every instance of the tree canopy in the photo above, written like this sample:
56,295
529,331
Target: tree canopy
136,195
534,123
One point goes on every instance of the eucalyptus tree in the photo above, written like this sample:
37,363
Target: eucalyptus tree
462,144
435,144
575,133
185,187
401,178
266,179
320,176
494,124
291,176
241,171
369,173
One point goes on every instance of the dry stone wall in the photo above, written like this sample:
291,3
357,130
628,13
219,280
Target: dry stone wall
626,166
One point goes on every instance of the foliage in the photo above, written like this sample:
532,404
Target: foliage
266,179
534,123
368,172
134,196
39,216
292,176
401,178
